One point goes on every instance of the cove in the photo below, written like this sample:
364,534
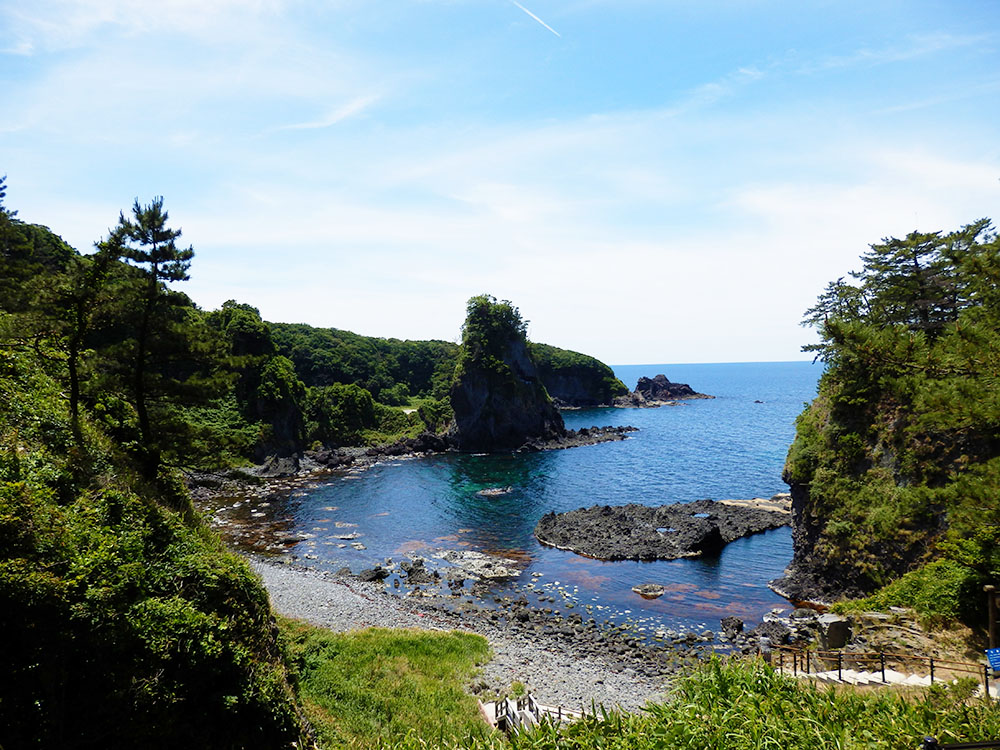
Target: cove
732,446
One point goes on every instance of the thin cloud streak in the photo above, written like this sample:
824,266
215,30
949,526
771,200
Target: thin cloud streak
350,109
536,18
919,46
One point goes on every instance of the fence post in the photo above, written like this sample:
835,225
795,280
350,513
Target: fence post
807,661
932,669
881,656
840,664
795,663
986,681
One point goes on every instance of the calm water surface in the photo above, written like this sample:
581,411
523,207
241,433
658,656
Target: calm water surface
732,446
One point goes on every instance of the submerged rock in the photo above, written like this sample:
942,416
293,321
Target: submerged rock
477,565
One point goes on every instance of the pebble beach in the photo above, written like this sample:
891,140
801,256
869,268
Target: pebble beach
553,669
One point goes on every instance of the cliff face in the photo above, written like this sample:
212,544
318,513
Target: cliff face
497,396
573,379
499,408
876,491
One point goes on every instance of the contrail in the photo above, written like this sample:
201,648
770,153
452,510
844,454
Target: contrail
536,18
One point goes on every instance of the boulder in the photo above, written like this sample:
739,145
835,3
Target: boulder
378,573
731,626
649,590
834,631
417,573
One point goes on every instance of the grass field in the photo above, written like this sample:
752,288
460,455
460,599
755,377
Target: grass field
386,688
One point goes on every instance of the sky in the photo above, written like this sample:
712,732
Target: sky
649,181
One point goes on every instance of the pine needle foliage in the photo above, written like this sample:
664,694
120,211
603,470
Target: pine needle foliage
899,456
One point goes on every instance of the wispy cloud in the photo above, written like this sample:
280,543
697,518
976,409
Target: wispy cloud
915,47
22,48
350,109
536,18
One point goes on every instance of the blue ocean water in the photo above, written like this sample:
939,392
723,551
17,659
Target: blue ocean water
732,446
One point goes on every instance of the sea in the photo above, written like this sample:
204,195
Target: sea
732,446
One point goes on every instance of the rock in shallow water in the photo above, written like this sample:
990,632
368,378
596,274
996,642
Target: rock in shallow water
649,590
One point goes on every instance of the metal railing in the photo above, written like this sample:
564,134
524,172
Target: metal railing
805,660
930,743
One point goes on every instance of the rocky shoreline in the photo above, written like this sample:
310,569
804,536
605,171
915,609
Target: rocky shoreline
665,532
314,463
568,660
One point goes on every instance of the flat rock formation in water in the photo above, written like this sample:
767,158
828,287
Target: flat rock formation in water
665,532
658,391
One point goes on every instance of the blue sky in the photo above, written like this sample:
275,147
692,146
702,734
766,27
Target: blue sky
649,181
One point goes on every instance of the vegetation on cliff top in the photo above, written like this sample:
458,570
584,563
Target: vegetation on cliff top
898,458
574,378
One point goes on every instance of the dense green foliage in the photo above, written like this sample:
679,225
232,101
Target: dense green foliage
125,622
899,456
490,329
942,589
389,369
386,688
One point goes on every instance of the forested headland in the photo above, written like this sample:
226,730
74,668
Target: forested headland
895,468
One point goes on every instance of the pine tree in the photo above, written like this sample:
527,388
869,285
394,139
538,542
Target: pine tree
150,246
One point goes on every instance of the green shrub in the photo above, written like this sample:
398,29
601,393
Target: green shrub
940,590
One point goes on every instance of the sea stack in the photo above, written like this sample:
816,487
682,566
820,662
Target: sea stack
497,396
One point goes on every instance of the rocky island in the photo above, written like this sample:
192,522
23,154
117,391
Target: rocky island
657,391
665,532
497,395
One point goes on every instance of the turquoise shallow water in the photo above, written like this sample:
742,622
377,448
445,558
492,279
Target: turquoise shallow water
728,447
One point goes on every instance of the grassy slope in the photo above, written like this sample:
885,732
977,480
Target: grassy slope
382,688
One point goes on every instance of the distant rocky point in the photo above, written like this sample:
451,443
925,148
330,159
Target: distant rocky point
658,391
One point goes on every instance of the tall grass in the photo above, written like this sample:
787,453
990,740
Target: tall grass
405,690
747,706
387,688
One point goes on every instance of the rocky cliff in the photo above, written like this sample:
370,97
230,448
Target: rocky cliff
497,395
573,379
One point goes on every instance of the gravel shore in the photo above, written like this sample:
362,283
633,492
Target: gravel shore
555,672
